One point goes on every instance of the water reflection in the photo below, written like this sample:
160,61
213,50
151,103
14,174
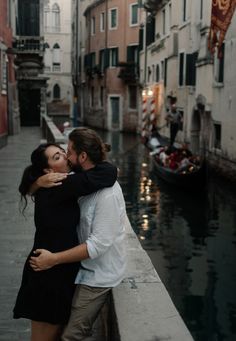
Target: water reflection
190,238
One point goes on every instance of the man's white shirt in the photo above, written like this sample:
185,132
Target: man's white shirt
102,228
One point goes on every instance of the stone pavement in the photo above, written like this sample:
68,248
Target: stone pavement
16,231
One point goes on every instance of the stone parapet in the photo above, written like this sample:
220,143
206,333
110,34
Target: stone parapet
142,306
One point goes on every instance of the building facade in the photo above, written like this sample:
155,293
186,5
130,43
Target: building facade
176,66
57,59
9,116
109,69
28,46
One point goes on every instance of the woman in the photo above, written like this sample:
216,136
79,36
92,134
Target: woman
45,298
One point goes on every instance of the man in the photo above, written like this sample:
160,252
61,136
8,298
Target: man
101,251
174,118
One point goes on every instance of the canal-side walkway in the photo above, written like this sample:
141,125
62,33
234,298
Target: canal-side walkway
16,231
142,309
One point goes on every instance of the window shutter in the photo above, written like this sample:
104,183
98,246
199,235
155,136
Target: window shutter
106,58
141,39
150,30
191,68
181,69
129,54
221,66
165,72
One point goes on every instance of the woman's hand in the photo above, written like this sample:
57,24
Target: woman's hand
44,260
51,179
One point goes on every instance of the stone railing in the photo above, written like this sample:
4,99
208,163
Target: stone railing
50,131
142,308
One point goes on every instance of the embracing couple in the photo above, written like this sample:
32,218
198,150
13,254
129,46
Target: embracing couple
78,254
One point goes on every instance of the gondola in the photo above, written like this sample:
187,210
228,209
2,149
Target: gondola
194,179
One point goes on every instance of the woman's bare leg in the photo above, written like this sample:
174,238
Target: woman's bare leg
42,331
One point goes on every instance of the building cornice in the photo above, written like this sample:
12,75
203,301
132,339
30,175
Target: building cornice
93,5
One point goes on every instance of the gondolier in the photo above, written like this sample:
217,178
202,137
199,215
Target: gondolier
174,118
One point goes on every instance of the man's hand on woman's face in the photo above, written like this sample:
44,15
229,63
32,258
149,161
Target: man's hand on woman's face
51,179
44,260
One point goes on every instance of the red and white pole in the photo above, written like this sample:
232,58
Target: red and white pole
144,132
152,123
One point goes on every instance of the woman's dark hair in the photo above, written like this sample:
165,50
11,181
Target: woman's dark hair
31,173
87,140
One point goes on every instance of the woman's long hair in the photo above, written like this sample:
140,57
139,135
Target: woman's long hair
31,173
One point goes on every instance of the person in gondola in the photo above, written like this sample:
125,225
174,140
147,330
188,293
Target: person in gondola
174,119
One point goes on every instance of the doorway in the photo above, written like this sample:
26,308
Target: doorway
114,113
29,102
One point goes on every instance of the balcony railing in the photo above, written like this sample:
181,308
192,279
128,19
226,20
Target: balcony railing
28,45
128,72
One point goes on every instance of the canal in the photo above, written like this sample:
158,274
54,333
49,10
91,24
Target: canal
190,238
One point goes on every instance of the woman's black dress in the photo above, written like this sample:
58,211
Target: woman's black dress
46,296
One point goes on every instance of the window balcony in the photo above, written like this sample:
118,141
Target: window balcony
28,45
128,72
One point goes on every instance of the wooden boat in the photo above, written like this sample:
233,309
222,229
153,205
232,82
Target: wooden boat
190,179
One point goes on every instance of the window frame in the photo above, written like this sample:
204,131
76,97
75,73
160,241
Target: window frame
110,18
102,22
131,6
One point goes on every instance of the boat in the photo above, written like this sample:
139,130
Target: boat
192,178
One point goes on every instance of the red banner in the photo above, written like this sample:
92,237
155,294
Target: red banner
221,15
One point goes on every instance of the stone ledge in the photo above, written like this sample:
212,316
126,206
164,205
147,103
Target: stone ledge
50,131
143,308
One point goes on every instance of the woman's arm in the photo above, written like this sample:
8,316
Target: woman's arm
86,182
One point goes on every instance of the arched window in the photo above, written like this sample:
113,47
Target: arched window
55,18
47,57
157,73
56,92
46,18
56,57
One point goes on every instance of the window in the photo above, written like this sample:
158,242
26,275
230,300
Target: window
184,18
217,135
181,69
56,58
164,22
157,73
55,18
113,20
191,69
3,72
132,54
93,26
150,30
114,56
149,72
92,96
165,72
102,22
56,92
132,97
104,59
47,57
162,69
219,65
133,14
93,59
102,96
201,9
170,14
28,18
46,18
